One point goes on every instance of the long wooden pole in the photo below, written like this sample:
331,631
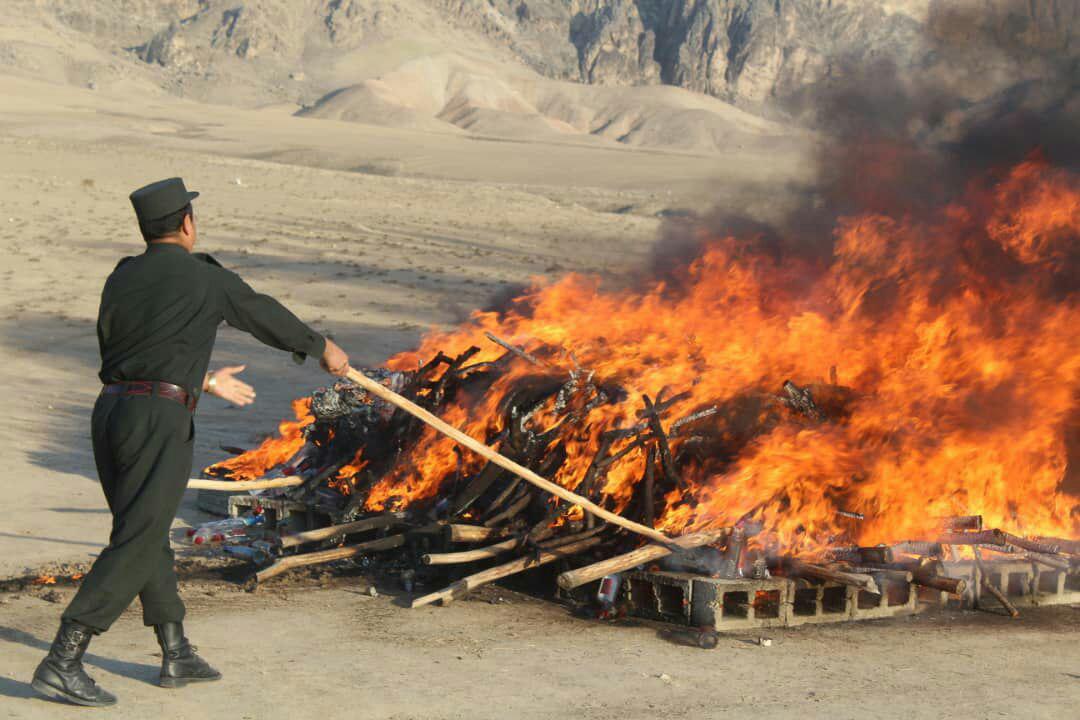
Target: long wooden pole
575,578
242,485
383,393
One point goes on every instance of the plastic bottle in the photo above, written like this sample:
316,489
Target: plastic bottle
218,530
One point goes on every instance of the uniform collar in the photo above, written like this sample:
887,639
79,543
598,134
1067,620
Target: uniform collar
165,247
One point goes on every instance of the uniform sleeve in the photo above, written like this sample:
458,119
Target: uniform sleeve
265,318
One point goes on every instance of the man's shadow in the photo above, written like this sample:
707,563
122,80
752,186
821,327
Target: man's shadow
16,689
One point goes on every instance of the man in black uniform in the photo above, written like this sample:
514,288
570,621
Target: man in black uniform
157,322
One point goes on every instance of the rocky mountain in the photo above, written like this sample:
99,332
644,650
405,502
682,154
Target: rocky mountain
457,64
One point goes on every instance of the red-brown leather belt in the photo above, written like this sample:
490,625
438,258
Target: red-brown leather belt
153,387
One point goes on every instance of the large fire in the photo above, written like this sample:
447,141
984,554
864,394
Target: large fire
952,339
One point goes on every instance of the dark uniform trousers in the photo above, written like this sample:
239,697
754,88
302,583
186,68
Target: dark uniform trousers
143,450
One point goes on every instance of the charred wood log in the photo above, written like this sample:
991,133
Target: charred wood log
662,445
797,568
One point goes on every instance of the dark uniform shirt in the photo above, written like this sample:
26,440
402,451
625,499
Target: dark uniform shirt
160,312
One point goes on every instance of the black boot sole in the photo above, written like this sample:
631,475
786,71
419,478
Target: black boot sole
172,683
55,693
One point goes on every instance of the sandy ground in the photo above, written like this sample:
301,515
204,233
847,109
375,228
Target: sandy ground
373,234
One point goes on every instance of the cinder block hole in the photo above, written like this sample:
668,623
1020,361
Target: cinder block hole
1072,583
642,595
767,604
737,604
1019,584
805,602
995,580
897,593
868,600
1048,581
671,600
834,599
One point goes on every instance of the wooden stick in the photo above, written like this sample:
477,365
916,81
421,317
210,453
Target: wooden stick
371,523
243,485
325,556
983,537
465,556
514,349
928,573
513,509
472,533
1036,546
1066,546
378,390
576,578
471,582
798,568
985,582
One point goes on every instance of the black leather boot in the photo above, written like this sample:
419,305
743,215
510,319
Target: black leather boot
61,676
179,663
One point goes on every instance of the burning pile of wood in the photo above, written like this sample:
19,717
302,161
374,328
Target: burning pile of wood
481,523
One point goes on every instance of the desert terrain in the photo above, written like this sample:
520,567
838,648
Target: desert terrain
375,212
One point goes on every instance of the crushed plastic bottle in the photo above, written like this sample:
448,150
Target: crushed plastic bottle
219,530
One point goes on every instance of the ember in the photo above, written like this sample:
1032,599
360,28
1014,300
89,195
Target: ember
699,406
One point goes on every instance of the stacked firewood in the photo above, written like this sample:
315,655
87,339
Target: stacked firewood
484,523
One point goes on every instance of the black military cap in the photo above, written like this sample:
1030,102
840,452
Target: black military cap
164,197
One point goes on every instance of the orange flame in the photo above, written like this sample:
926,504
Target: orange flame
345,477
952,334
273,451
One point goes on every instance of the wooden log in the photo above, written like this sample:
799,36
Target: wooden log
997,594
961,523
1072,547
955,586
384,393
648,497
919,547
984,537
371,523
662,445
798,568
240,486
576,578
1035,546
460,533
515,349
471,582
513,509
325,556
464,556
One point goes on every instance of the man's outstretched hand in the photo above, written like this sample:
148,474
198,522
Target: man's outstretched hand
224,384
334,360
